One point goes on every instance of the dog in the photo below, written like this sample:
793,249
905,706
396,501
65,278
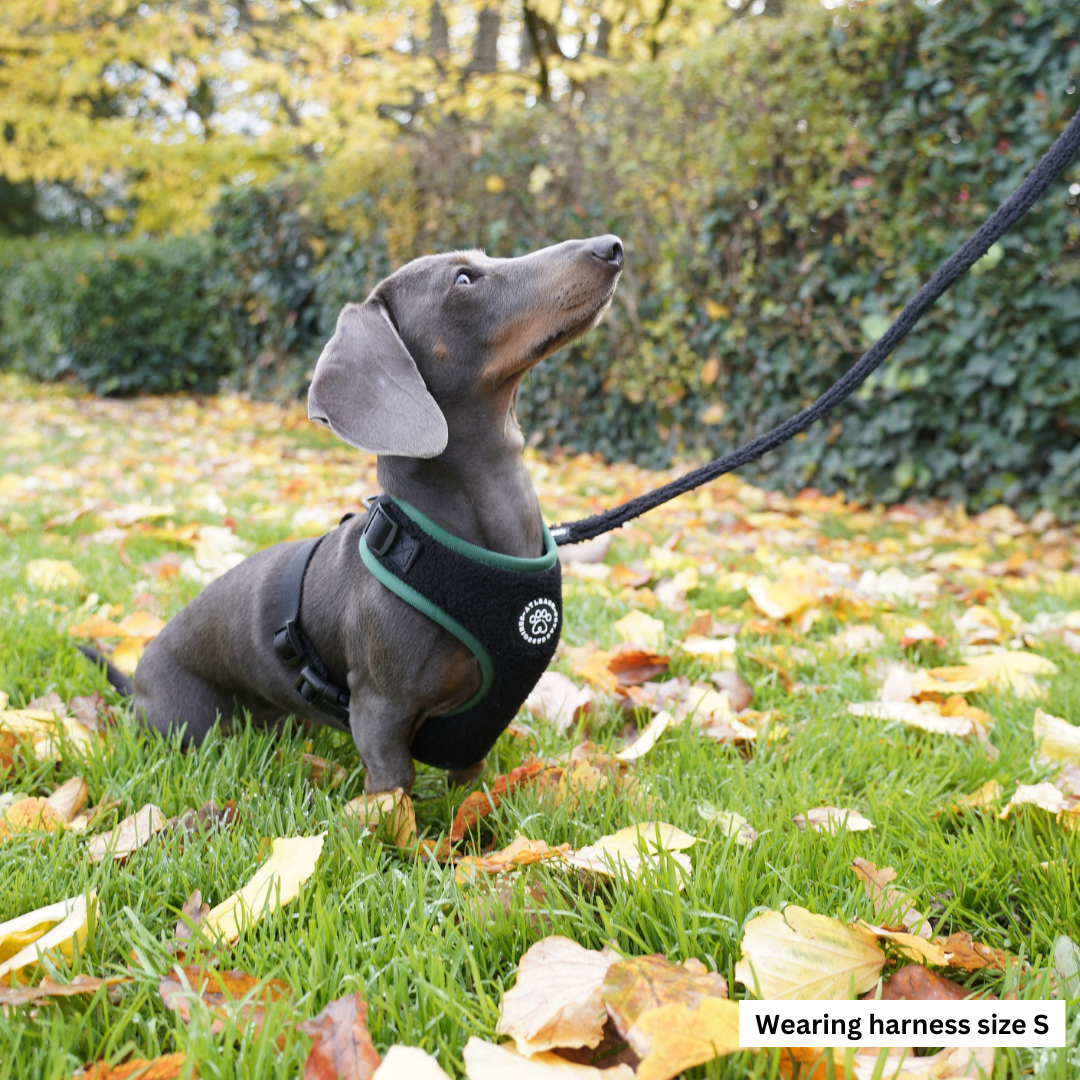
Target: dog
424,373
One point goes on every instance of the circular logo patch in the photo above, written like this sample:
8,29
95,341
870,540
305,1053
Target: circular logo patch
538,621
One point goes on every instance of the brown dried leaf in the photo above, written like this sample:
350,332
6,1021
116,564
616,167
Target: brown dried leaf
69,798
131,834
208,816
633,666
917,983
486,1061
93,711
558,700
674,1016
342,1048
192,914
226,994
47,988
962,952
890,904
556,999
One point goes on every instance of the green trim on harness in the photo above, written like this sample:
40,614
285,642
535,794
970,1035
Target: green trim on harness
483,555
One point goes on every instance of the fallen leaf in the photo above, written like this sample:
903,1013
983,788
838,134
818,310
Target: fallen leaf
831,819
623,854
166,1067
1056,738
390,809
228,995
779,599
962,952
49,575
911,945
93,711
857,639
713,652
278,880
925,715
341,1043
647,739
1067,965
486,1061
889,903
28,816
675,1016
47,989
96,627
125,657
141,624
916,983
479,804
735,687
730,823
44,729
408,1063
555,1001
813,1062
208,816
192,914
62,926
641,628
1045,796
1016,670
69,798
131,834
558,700
795,955
984,798
633,666
522,852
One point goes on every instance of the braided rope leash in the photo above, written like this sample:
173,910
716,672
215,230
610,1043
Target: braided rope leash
958,264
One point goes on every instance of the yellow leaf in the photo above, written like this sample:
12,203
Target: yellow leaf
495,184
394,808
779,599
795,955
716,311
594,670
521,852
555,1001
52,574
68,920
1056,738
30,815
486,1061
714,414
641,629
96,627
620,855
830,819
141,624
409,1063
277,881
126,655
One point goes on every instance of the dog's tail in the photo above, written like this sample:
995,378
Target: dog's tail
117,679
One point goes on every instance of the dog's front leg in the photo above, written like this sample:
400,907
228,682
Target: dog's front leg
382,735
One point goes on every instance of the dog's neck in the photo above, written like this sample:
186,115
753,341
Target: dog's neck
478,488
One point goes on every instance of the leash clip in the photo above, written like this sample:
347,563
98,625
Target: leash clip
322,694
287,643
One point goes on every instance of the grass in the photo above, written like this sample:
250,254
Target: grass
433,959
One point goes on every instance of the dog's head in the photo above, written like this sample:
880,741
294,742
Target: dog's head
451,329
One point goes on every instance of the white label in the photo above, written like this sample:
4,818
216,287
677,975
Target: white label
902,1023
538,621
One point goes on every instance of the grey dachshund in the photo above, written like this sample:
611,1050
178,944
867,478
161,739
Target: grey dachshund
425,374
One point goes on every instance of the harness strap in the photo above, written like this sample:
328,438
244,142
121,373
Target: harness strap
292,645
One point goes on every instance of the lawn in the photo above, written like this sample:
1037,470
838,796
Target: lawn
788,586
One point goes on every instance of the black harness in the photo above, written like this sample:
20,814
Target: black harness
507,611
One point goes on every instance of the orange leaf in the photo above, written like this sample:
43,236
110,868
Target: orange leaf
480,803
220,989
342,1048
166,1067
96,627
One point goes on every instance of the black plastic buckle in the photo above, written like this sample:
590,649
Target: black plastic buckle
381,532
323,695
287,643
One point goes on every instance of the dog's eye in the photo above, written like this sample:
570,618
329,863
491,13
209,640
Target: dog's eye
463,278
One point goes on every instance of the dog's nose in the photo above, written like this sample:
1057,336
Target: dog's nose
609,249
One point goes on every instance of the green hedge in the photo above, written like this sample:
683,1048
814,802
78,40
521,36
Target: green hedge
781,191
144,317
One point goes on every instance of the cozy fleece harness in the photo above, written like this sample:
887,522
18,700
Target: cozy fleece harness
506,611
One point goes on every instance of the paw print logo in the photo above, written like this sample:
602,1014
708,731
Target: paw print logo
538,621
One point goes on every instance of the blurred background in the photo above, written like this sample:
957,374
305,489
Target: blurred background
190,190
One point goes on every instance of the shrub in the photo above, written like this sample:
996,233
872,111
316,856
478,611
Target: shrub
122,318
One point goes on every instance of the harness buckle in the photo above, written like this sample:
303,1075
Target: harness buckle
287,643
322,694
381,532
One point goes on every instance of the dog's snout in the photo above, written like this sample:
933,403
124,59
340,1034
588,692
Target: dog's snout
608,249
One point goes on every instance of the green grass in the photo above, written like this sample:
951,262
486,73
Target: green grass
432,960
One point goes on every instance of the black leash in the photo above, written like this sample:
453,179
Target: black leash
958,264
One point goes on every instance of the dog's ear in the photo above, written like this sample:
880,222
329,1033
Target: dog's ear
368,391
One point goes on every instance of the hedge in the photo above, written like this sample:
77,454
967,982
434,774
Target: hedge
782,192
122,318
